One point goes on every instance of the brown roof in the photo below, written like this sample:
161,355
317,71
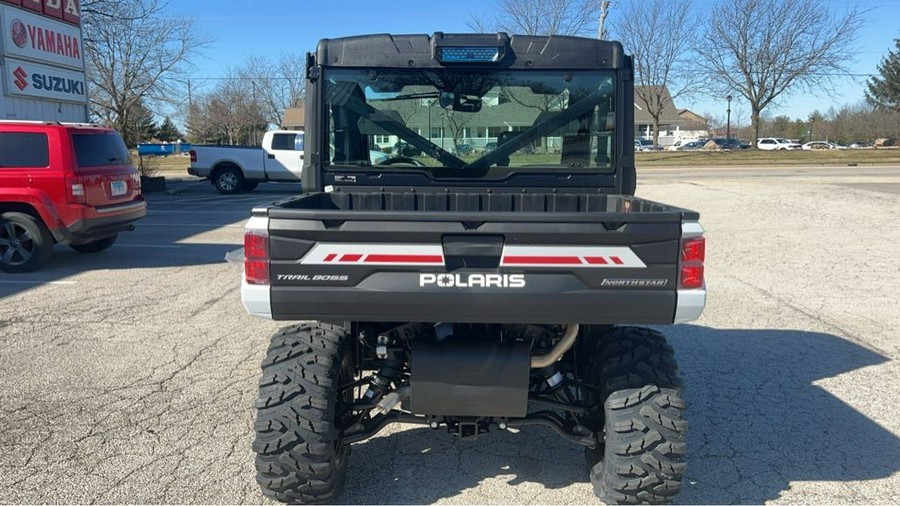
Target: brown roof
294,117
692,120
669,114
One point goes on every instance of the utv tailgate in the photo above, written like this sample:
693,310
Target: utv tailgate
500,258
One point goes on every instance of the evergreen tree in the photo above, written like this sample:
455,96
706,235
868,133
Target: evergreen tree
140,126
884,91
168,132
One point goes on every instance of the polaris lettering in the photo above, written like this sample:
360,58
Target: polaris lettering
57,84
472,280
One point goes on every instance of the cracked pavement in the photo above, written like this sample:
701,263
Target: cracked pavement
129,376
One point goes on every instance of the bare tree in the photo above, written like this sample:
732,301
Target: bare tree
658,33
280,84
234,112
134,55
762,49
247,100
602,32
544,17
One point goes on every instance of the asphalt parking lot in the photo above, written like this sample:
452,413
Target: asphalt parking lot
129,376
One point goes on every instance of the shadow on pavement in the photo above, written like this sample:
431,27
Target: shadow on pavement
757,420
158,239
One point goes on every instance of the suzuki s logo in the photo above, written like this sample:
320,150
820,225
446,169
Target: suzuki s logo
19,33
472,280
21,80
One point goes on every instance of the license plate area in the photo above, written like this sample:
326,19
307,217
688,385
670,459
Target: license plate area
118,188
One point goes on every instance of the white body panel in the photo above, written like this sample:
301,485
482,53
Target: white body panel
257,164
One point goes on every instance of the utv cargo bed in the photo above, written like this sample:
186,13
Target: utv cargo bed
475,257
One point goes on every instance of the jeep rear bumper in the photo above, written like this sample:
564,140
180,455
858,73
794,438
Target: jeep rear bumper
102,222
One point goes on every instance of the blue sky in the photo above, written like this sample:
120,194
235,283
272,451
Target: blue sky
241,28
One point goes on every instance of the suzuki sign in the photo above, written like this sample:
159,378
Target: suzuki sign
38,38
40,81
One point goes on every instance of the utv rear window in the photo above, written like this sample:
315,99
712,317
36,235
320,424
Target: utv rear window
24,150
100,150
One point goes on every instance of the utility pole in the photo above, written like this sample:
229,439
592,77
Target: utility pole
604,10
190,114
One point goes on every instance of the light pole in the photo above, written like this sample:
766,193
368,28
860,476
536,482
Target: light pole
728,123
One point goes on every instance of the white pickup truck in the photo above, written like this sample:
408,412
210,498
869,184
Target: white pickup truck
234,169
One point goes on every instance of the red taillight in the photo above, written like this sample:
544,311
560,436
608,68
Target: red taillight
136,182
693,250
193,155
693,254
256,258
75,190
692,276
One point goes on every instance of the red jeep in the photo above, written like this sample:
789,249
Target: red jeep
71,184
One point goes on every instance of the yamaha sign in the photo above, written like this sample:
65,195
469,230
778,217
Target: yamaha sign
42,61
38,38
41,81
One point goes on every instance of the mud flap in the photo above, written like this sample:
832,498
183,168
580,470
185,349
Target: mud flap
470,379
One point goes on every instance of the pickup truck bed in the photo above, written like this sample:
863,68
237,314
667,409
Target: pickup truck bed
474,257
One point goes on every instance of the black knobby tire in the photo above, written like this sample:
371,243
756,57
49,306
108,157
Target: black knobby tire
642,460
25,243
299,455
228,180
95,246
249,186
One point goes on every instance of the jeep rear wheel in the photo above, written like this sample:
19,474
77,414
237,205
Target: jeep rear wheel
300,457
25,243
642,414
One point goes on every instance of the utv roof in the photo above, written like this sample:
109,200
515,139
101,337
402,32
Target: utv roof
471,50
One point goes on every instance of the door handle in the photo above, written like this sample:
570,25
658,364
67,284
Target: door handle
271,156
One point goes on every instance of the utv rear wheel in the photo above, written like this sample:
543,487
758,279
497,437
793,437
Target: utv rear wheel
300,457
642,460
95,246
25,243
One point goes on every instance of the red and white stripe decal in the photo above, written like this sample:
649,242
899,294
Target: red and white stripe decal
375,254
513,256
571,256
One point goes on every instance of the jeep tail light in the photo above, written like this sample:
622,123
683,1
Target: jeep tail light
75,190
193,153
136,182
693,255
256,257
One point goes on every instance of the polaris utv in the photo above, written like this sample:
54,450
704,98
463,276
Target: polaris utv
477,289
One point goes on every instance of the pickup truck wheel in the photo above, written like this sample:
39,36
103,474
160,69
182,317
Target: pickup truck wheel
249,186
95,246
229,180
25,243
300,457
643,426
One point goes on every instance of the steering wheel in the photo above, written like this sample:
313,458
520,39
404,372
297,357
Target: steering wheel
402,160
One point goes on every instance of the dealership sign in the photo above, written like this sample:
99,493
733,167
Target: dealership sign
41,81
42,39
63,10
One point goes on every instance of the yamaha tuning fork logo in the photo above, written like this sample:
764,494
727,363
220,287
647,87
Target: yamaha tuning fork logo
19,33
